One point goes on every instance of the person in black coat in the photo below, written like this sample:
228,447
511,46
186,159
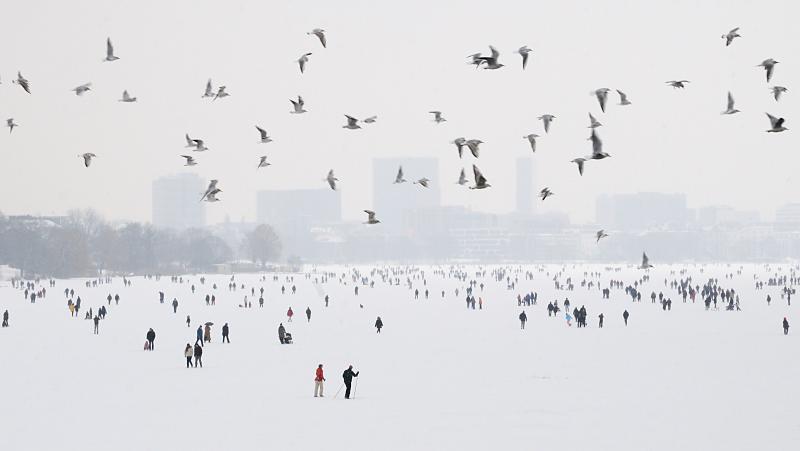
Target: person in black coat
225,331
601,320
523,318
5,318
348,376
625,316
785,326
198,355
281,333
378,324
151,338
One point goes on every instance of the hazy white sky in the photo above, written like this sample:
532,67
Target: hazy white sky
397,60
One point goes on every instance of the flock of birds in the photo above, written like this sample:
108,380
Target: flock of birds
480,61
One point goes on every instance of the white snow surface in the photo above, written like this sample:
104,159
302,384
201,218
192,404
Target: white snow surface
438,377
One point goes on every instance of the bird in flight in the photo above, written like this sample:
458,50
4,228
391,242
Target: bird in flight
597,147
303,61
437,116
212,189
371,217
524,51
220,93
580,161
490,61
776,125
198,144
472,145
22,82
730,36
331,179
545,193
370,120
602,97
82,89
730,109
209,90
110,51
11,124
769,66
262,163
678,83
319,33
532,140
399,178
777,91
547,119
423,182
264,137
600,235
460,142
480,180
127,97
645,262
87,158
623,98
352,123
298,105
190,161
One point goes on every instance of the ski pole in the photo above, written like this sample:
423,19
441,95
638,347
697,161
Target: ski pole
337,391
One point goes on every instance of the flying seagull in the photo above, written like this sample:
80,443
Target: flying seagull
10,123
731,109
480,180
127,97
198,144
209,89
423,181
399,178
678,83
371,217
472,145
729,36
320,33
602,97
462,178
110,51
81,90
532,140
597,147
298,105
545,193
220,93
262,163
777,91
623,98
190,161
547,119
580,162
437,116
22,82
769,66
370,120
600,235
460,142
87,158
490,61
524,51
331,179
645,262
352,123
212,188
776,124
593,122
302,62
264,137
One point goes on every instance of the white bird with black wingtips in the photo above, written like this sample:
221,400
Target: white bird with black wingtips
110,51
320,34
265,138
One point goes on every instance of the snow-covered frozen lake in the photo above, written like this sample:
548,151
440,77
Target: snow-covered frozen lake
438,377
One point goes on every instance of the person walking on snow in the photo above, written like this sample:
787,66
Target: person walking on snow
199,336
290,314
225,331
348,376
378,324
625,316
523,318
96,325
187,352
5,318
785,326
318,382
151,338
174,305
281,333
308,313
198,355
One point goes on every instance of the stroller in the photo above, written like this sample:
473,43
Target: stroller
287,338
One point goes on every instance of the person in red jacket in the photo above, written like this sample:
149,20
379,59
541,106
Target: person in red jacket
290,313
318,382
